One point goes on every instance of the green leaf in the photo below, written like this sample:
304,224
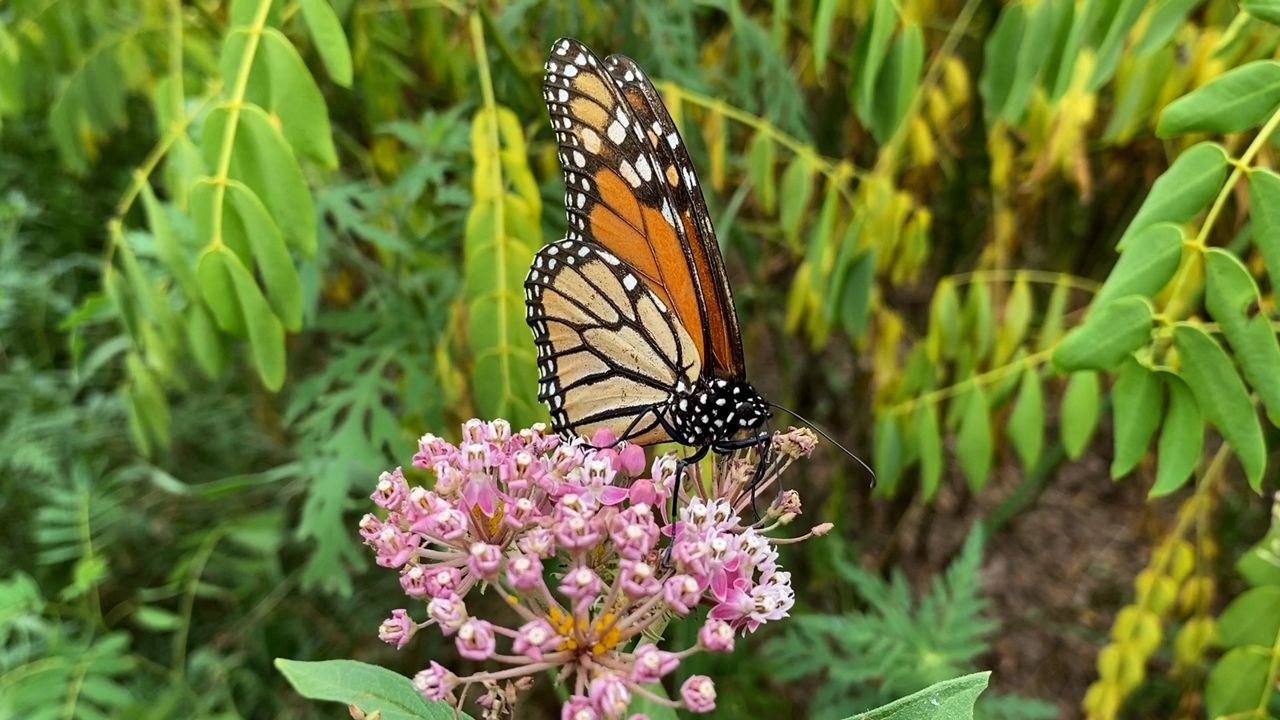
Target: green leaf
1181,438
1107,336
1182,191
929,440
823,18
797,190
973,441
1000,66
897,84
218,291
281,83
1081,408
761,159
1237,682
869,53
977,319
1016,319
1251,619
368,687
1264,209
1026,422
1126,13
947,700
1222,397
168,248
1034,46
1054,315
887,455
1138,402
1148,262
1232,299
1168,16
330,40
262,160
855,293
205,342
1268,10
642,705
944,320
284,289
266,334
1239,99
1261,564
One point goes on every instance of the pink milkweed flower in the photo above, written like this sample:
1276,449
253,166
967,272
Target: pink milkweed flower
475,640
699,694
435,682
716,636
610,695
397,629
505,504
653,664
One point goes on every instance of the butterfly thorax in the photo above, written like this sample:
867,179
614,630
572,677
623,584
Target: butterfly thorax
714,410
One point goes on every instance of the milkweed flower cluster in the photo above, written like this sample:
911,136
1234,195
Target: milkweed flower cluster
577,539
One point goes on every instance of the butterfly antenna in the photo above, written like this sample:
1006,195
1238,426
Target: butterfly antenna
828,438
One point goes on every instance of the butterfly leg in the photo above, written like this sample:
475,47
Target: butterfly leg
763,440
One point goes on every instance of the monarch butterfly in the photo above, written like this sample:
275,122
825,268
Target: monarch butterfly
632,314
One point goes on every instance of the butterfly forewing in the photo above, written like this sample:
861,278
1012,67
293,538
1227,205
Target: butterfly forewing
609,350
614,193
681,180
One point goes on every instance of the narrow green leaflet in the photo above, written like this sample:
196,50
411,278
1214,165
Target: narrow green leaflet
1017,317
1137,404
284,289
330,40
1026,422
869,54
760,170
168,248
1232,299
887,455
1237,682
797,190
1000,65
973,441
897,84
218,291
1148,262
1222,397
1239,99
205,341
1181,438
1268,10
652,709
1251,619
1081,408
1185,189
944,320
1054,315
929,441
1264,209
947,700
1107,336
368,687
1168,16
978,325
1036,43
823,17
1112,44
266,334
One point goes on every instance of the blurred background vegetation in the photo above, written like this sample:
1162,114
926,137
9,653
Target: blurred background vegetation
250,251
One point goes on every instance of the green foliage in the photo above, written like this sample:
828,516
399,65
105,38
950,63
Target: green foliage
900,644
367,687
1243,679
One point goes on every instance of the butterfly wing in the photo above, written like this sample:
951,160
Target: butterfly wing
614,194
610,351
681,181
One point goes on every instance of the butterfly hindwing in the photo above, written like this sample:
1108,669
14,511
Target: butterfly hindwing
609,350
